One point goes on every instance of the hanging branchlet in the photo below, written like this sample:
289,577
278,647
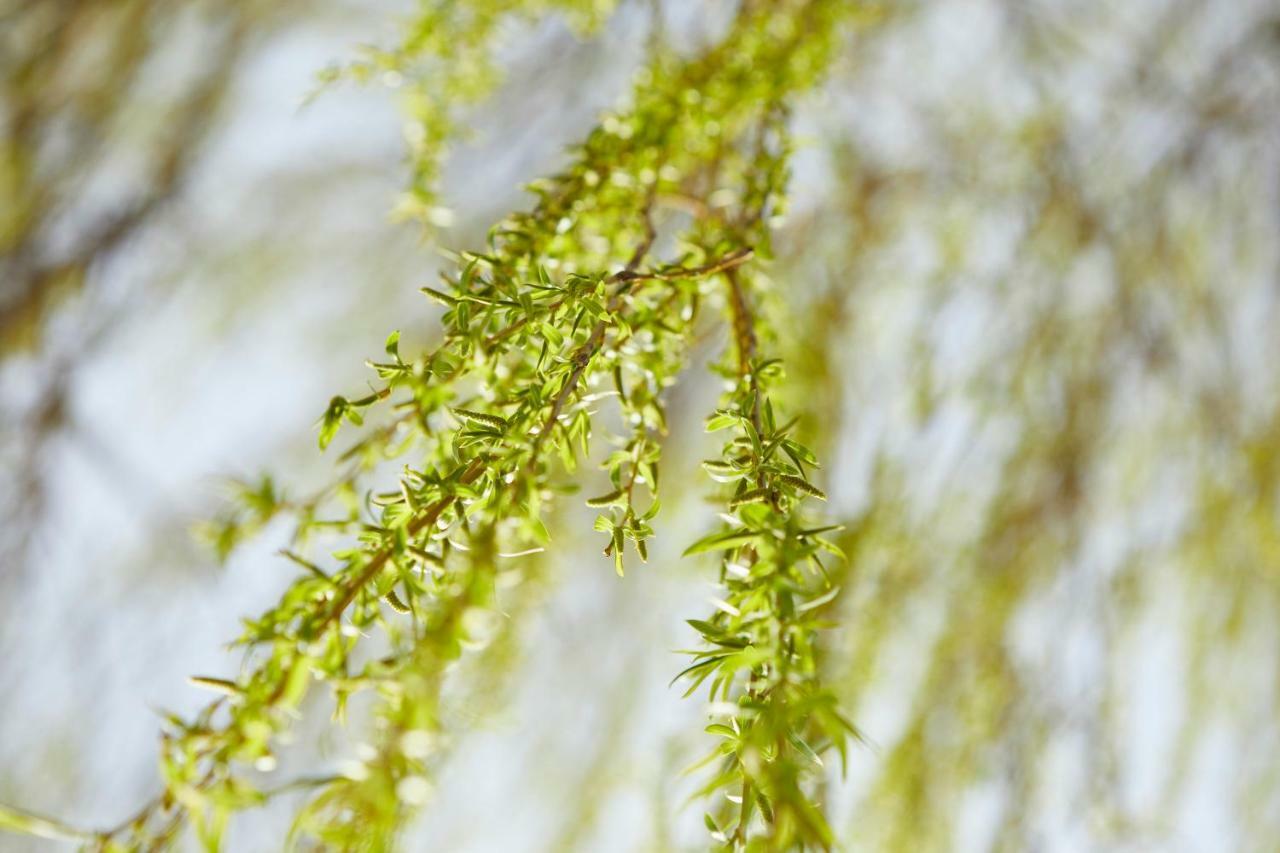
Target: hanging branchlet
774,717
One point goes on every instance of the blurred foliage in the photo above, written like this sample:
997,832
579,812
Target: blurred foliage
105,109
1117,393
444,64
102,119
1073,432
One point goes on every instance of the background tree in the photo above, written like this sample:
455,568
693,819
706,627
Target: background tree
1025,294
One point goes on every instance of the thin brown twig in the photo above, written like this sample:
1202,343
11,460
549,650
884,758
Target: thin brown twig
744,333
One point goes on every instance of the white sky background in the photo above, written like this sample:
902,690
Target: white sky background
281,274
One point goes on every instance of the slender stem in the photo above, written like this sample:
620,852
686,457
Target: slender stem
744,332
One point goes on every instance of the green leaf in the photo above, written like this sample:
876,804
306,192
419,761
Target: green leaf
715,831
610,499
539,530
799,453
217,685
829,546
722,541
756,445
552,335
699,665
813,531
704,627
814,603
331,420
804,748
722,421
443,298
